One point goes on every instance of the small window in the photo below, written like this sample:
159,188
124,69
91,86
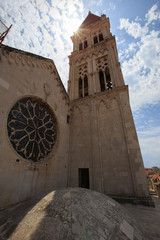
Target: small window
80,46
95,39
100,37
85,44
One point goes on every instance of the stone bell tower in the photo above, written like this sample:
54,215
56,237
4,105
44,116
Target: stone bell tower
104,152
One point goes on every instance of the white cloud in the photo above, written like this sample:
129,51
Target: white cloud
95,3
133,28
153,131
112,6
40,27
142,70
120,42
137,19
152,14
99,2
150,146
151,151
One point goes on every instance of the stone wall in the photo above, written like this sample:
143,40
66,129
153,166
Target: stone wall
103,138
27,75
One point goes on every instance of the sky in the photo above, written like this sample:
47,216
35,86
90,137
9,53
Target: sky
44,27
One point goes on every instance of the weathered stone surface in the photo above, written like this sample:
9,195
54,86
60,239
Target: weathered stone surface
23,75
147,219
103,136
95,134
72,213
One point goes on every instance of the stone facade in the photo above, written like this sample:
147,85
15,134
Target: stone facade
100,129
96,145
27,75
103,138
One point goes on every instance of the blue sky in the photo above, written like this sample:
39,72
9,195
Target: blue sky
44,27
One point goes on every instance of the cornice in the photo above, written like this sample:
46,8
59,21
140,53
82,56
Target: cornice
100,96
23,58
93,49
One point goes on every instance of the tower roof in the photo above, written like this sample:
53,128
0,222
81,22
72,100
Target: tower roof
91,18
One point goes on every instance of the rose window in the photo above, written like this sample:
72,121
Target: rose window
32,128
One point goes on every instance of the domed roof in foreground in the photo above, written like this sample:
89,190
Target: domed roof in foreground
74,214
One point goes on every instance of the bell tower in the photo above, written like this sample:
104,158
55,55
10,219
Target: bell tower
104,152
94,59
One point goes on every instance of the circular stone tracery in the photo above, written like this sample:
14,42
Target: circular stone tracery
32,128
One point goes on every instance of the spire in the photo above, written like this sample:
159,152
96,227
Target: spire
90,19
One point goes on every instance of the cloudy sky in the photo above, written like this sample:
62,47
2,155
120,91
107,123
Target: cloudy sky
44,27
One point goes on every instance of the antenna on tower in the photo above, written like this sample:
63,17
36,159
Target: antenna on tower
3,31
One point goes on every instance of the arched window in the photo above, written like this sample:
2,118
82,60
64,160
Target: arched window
80,88
80,46
108,79
85,85
102,81
95,39
85,44
100,37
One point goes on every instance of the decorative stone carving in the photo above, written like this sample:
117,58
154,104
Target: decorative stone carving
83,70
32,87
47,89
102,63
32,128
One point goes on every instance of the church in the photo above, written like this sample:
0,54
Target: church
85,137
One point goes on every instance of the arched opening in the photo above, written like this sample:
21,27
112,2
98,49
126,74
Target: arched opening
85,85
85,44
95,39
80,46
80,88
108,79
100,37
102,82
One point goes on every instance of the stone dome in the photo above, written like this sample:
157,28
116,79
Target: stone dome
73,214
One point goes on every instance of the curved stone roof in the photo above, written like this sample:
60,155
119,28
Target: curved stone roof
69,214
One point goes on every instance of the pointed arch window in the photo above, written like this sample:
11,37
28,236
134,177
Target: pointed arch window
101,37
80,88
108,79
80,46
85,44
85,85
102,81
95,39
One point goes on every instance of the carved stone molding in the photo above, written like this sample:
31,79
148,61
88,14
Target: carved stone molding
32,87
32,128
107,103
26,59
47,89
